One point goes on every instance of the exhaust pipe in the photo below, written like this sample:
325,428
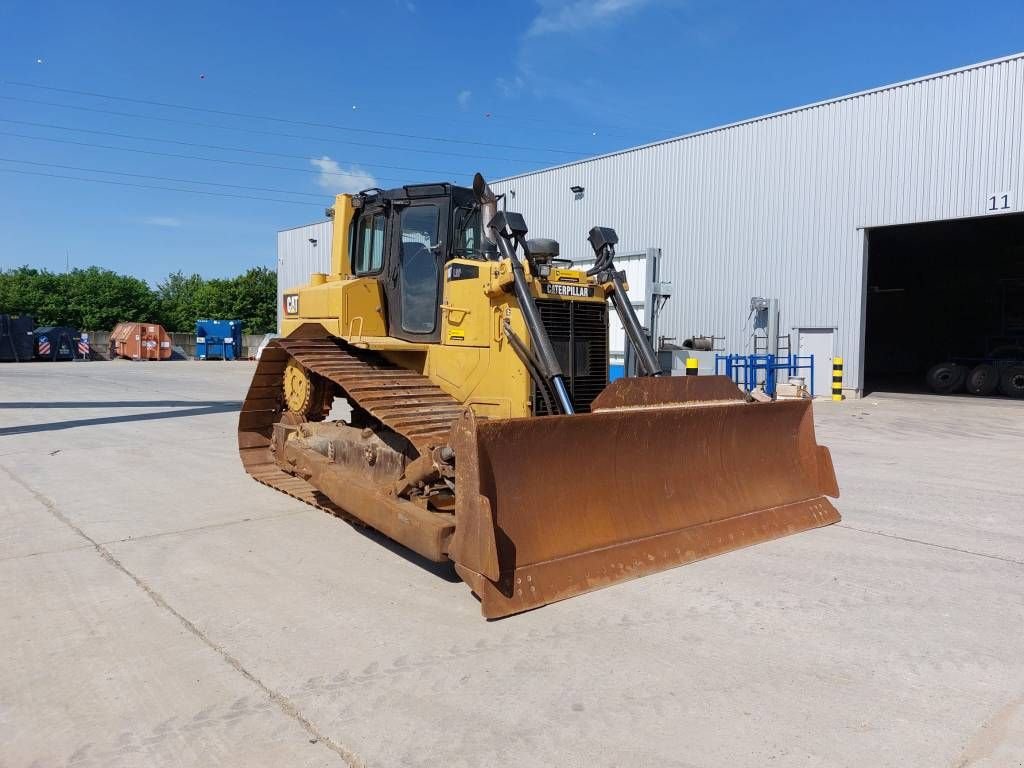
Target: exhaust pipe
488,207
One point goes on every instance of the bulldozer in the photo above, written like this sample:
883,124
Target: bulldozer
447,385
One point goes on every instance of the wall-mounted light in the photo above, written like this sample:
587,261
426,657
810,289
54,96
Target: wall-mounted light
577,191
313,241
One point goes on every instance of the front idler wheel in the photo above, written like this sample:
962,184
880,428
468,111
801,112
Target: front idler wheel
306,393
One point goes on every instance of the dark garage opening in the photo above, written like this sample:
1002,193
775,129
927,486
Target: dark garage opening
948,291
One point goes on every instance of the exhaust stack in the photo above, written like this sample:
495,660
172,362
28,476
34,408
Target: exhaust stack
488,207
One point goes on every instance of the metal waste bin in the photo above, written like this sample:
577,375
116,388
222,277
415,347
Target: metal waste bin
218,339
56,342
16,338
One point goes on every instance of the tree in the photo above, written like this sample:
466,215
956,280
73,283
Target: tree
178,299
216,299
250,297
85,298
31,291
97,299
255,300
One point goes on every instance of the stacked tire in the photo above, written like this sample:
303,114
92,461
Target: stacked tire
984,379
1011,380
946,378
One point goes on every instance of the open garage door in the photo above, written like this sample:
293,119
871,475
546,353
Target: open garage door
945,292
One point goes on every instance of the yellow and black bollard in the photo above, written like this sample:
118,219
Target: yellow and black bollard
691,366
837,378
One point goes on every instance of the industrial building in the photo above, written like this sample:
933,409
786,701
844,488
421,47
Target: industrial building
888,224
301,251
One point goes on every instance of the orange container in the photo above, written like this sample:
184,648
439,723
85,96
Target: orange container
140,341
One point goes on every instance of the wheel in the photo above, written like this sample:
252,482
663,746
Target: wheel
982,380
305,393
1011,382
945,378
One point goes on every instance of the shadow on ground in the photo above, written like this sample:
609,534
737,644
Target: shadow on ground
182,408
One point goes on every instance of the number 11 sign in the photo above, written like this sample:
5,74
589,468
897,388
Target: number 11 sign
1000,202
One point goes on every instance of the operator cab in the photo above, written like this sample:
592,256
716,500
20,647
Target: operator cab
403,237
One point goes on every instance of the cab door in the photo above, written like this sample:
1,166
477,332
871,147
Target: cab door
414,284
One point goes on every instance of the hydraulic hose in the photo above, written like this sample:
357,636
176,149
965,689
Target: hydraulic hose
531,365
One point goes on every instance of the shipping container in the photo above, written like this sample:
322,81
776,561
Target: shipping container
219,339
56,342
16,339
140,341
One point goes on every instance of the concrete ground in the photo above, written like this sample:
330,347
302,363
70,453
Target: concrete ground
158,608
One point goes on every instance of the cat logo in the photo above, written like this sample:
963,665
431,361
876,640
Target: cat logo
291,304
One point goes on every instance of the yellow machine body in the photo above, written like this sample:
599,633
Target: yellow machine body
453,447
473,362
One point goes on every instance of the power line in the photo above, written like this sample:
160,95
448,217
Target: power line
151,186
309,124
222,161
257,151
478,112
321,196
223,127
486,116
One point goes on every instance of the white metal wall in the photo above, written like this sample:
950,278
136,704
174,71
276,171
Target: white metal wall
298,257
776,206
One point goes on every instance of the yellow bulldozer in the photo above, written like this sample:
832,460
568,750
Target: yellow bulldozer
470,369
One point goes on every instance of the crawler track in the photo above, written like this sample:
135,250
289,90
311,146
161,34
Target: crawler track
403,400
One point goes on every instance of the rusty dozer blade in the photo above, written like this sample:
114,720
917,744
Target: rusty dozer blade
665,471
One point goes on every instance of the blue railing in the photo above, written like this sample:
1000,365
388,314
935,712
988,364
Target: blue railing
750,371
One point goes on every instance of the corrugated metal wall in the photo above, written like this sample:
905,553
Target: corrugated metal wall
775,206
298,257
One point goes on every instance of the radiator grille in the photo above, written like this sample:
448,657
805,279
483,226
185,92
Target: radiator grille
579,335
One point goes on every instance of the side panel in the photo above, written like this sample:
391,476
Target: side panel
363,308
466,311
474,362
351,308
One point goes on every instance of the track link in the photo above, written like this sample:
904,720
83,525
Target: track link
403,400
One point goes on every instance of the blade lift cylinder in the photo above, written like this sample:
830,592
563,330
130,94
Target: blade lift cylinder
510,229
603,240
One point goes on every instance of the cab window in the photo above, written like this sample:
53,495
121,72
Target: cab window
467,233
419,280
369,252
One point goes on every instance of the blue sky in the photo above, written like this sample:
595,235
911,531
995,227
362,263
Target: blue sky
436,90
